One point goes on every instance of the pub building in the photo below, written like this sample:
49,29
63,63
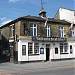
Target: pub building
37,38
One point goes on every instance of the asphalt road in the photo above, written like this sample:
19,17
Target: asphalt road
66,67
66,70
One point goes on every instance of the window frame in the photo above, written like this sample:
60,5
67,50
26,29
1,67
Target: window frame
11,30
48,31
64,49
33,28
30,48
23,52
33,48
56,52
72,33
61,47
36,47
61,31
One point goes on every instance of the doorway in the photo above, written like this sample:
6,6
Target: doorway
47,54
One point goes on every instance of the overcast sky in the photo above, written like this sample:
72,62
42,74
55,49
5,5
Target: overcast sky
12,9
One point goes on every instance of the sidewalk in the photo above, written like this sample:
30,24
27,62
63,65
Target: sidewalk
15,69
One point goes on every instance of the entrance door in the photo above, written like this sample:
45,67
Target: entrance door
47,54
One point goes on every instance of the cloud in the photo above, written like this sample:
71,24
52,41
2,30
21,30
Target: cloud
4,20
13,1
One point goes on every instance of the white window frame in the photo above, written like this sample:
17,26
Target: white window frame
33,49
47,28
12,30
36,48
63,48
61,31
72,31
33,27
30,48
23,50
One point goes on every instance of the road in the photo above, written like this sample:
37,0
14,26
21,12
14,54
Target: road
66,67
66,70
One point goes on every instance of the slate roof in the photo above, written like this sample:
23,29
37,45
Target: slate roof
35,18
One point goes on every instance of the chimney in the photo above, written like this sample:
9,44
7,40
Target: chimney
42,12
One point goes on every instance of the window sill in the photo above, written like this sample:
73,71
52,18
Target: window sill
64,53
12,37
33,54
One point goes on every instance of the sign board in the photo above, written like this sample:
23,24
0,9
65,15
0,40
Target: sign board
48,39
42,50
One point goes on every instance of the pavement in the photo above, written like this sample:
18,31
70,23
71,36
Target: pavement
17,69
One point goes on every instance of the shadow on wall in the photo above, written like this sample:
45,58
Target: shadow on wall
4,50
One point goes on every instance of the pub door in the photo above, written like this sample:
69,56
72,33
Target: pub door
47,54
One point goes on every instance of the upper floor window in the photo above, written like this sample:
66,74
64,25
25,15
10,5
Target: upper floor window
72,34
0,35
12,31
33,29
47,31
61,31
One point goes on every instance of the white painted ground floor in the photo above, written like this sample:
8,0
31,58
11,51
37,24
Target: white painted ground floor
29,50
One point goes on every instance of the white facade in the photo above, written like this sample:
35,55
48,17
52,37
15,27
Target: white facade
51,47
29,57
66,14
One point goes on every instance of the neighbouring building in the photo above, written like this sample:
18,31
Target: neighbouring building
65,14
28,39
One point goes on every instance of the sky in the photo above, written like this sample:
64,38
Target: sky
13,9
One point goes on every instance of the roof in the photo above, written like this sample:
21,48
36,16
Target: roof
35,18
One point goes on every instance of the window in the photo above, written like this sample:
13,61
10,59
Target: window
30,48
36,48
23,49
72,32
71,49
33,29
61,47
47,45
33,48
56,50
65,47
47,31
12,31
61,31
24,28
